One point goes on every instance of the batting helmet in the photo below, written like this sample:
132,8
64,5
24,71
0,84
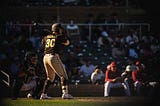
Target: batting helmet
56,27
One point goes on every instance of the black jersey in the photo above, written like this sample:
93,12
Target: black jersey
53,43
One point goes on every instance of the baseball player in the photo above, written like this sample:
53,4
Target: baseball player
113,80
29,77
53,44
140,77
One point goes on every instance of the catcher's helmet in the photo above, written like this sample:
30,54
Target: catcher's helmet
31,58
29,55
56,27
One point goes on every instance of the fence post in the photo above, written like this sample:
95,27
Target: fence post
90,32
140,31
30,30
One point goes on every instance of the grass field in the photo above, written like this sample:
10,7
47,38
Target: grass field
83,101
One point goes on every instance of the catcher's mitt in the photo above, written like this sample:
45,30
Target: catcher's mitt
21,74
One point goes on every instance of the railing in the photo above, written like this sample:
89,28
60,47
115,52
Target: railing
5,77
120,26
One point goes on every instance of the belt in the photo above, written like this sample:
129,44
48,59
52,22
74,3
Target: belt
50,53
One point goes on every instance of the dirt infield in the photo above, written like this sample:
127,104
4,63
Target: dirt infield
127,101
114,99
111,99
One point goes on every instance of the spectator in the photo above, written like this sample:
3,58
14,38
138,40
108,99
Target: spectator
87,69
113,80
97,76
133,54
73,31
145,50
103,37
118,51
70,2
73,64
132,38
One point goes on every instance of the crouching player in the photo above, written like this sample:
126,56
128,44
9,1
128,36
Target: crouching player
29,78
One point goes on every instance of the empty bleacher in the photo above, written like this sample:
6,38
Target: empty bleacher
77,13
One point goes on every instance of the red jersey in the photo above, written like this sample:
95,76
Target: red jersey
139,76
111,75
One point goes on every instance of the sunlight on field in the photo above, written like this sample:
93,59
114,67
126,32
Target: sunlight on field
81,101
25,102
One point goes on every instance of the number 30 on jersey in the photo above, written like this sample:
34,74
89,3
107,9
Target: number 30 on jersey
50,43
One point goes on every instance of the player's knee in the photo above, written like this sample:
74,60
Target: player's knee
50,79
64,81
47,82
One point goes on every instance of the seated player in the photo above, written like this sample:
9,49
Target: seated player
113,80
139,77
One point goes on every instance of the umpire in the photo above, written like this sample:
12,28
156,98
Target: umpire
53,43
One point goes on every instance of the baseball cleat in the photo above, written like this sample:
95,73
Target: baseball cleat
29,96
45,96
67,96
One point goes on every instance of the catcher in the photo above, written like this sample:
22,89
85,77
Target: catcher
29,78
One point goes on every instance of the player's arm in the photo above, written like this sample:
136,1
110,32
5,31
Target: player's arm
66,43
107,76
65,40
